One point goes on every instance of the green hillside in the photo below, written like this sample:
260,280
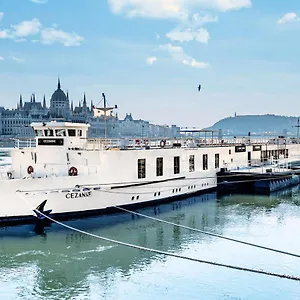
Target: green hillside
257,125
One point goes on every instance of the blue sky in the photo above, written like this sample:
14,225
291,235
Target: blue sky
149,56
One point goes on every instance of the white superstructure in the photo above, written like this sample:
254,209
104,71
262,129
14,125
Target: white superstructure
77,175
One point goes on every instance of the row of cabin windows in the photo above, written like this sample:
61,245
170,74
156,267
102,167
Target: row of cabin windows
59,132
160,165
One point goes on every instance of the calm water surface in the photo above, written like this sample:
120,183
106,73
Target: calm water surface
61,264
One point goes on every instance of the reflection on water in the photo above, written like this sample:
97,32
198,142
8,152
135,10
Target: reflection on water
66,265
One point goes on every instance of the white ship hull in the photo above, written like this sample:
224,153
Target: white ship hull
22,196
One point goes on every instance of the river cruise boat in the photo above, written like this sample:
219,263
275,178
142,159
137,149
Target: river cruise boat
65,174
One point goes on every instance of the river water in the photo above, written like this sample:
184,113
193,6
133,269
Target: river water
61,264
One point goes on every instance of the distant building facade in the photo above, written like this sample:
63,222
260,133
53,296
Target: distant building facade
16,122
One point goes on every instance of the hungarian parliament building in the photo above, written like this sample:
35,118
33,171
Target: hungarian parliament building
16,122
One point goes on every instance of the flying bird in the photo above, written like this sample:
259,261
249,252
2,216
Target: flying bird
199,87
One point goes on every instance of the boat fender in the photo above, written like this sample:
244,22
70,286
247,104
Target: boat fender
73,171
30,170
162,143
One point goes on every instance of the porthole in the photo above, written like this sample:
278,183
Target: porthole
154,194
137,197
132,198
158,193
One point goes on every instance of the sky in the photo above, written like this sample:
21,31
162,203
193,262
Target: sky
149,56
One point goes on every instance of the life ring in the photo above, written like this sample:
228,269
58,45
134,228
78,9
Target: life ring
73,171
162,143
30,170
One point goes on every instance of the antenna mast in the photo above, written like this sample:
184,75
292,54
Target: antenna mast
297,126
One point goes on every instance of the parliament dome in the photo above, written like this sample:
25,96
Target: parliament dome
59,103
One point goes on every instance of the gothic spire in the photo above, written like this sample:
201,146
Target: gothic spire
33,98
21,102
84,101
72,106
58,83
44,102
92,105
68,95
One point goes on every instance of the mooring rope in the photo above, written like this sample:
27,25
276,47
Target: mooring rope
262,272
290,277
209,233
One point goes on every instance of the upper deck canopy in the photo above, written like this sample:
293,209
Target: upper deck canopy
56,125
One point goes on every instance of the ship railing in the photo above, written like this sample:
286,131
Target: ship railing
24,143
138,143
3,175
270,165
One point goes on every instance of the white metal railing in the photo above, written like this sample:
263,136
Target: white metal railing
136,143
25,143
278,165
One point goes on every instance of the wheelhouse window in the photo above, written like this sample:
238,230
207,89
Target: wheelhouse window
141,168
60,132
79,132
192,163
176,164
48,132
39,133
217,161
205,161
71,132
159,166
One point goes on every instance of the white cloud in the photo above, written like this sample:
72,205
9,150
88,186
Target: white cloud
27,28
1,58
180,56
196,64
157,36
39,1
46,36
51,35
1,15
151,60
199,20
4,34
179,9
21,30
201,35
289,18
16,59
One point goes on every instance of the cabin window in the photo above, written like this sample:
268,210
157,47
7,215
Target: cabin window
60,132
159,166
217,161
48,132
176,165
141,168
71,132
229,151
79,132
192,163
38,133
205,161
